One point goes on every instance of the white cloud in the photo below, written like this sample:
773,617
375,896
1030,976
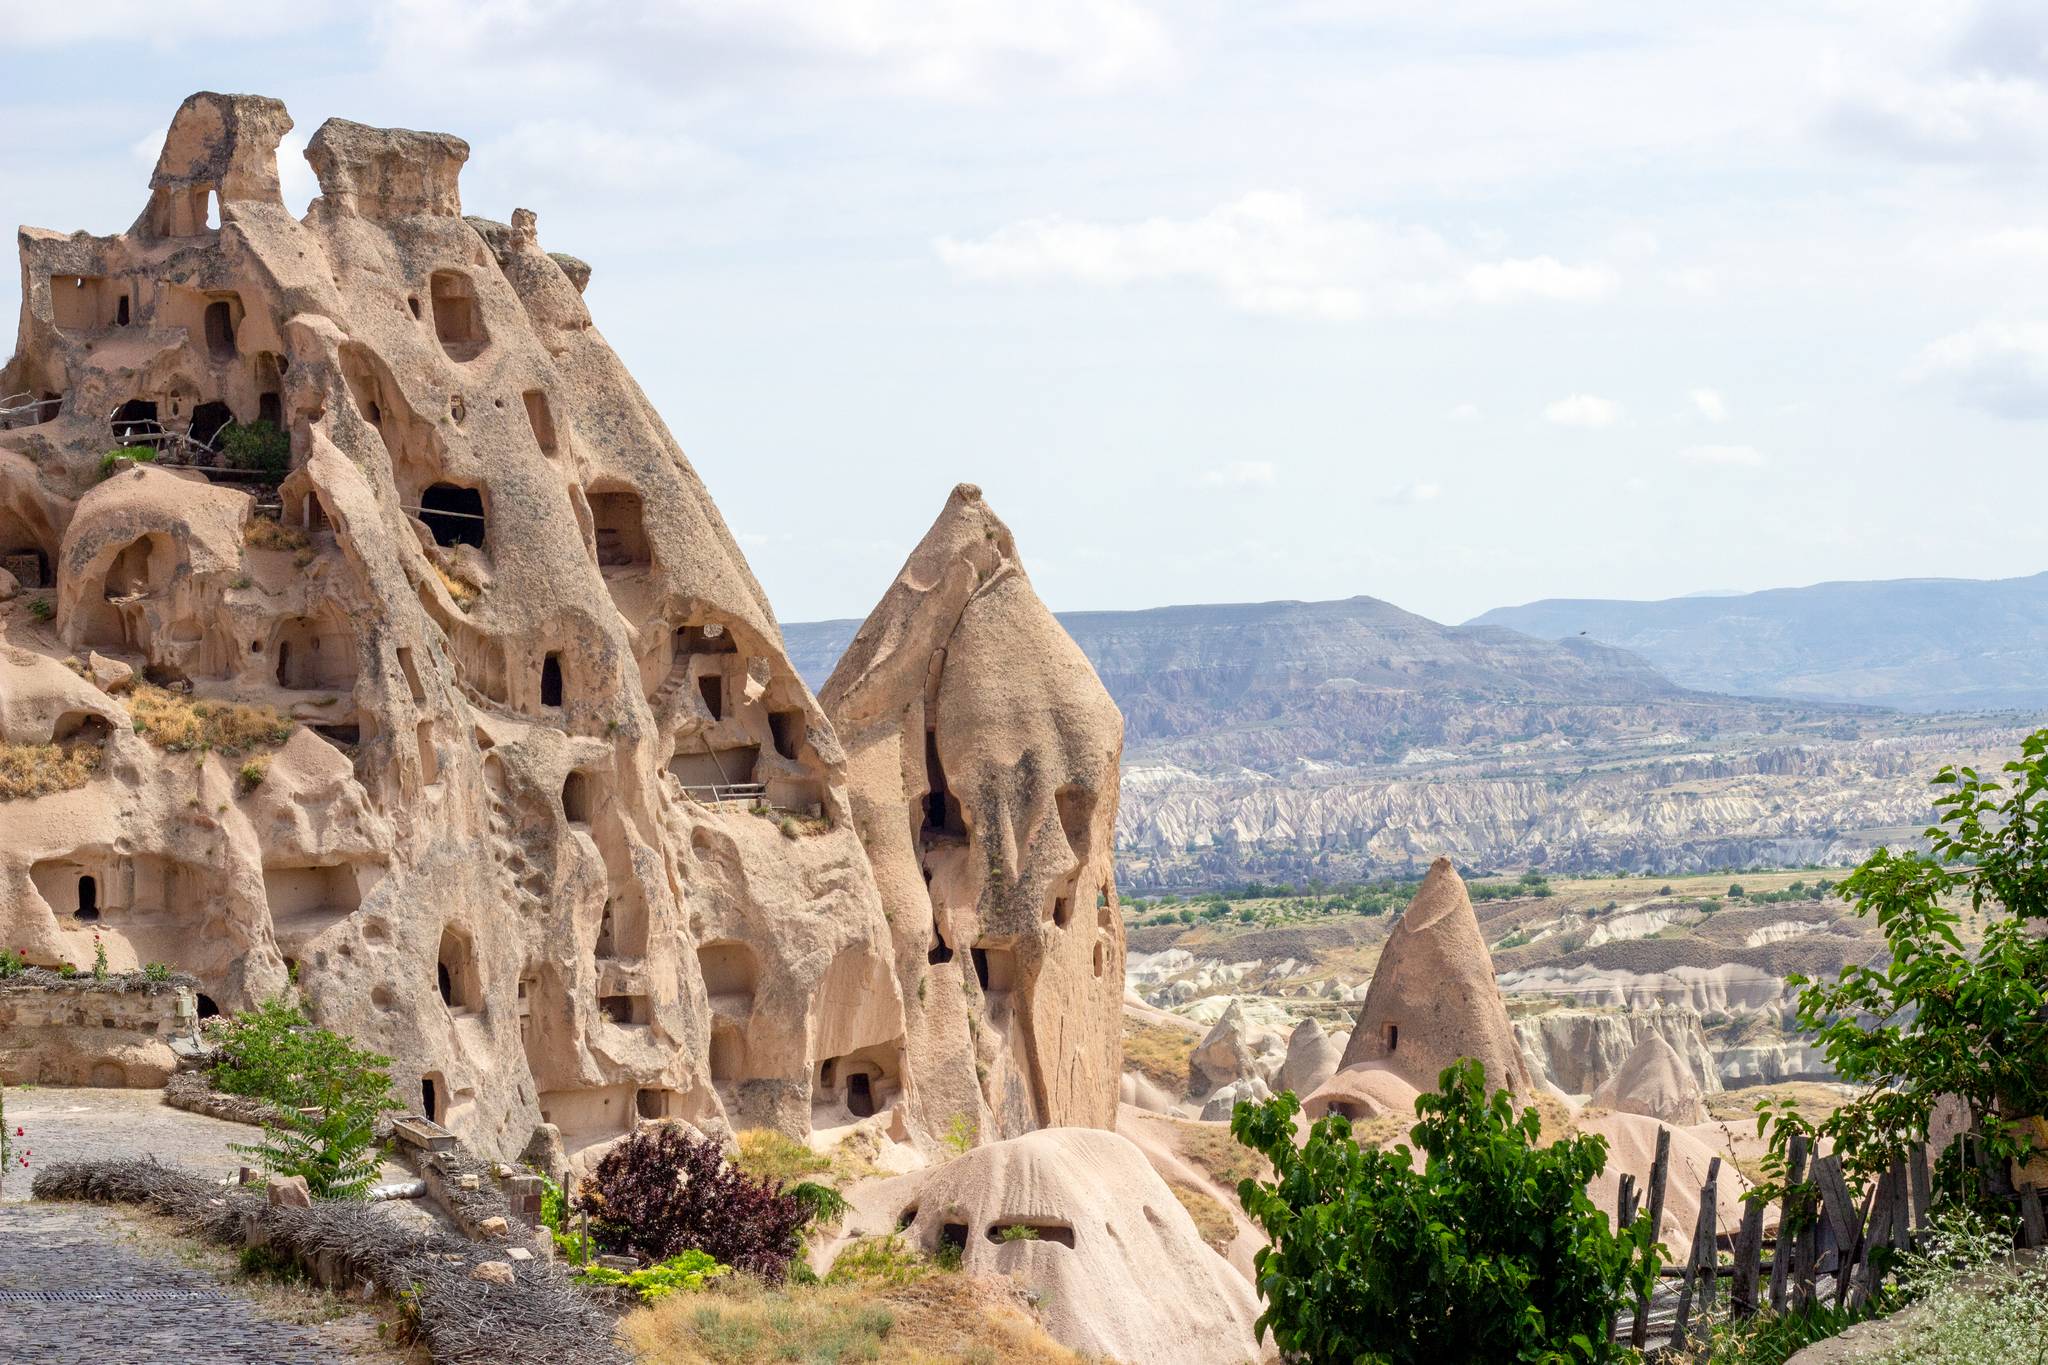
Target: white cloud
965,49
1540,277
1710,404
2000,367
1416,493
1742,457
1242,474
1466,412
1947,113
1270,252
2020,241
1583,410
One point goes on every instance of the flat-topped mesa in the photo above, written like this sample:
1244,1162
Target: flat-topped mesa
387,173
1432,1001
982,763
528,704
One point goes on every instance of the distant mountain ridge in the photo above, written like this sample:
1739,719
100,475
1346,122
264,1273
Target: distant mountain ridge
1920,644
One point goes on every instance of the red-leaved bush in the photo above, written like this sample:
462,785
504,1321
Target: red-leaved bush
662,1192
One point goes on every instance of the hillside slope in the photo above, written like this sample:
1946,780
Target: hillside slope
1923,644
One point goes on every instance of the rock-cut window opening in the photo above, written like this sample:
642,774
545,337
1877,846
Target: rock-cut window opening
1040,1232
220,330
576,798
458,322
551,680
711,687
455,972
1391,1035
453,515
209,420
134,419
88,899
619,527
787,727
995,968
942,815
430,1099
538,414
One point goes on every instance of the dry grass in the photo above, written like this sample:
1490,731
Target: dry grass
40,769
171,720
1814,1101
937,1319
1159,1053
463,592
264,534
1212,1219
766,1154
1210,1146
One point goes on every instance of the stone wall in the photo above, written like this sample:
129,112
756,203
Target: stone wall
79,1031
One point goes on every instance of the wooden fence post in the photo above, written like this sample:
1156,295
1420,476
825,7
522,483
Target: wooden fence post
1749,1248
1877,1233
1844,1219
1920,1172
1701,1265
1784,1255
1660,1169
2033,1225
1625,1202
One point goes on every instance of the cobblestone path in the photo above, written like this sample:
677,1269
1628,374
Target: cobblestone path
79,1283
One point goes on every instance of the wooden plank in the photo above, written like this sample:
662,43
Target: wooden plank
1786,1253
1877,1233
1749,1249
2033,1224
1699,1267
1919,1170
1625,1202
1838,1206
1660,1170
1901,1237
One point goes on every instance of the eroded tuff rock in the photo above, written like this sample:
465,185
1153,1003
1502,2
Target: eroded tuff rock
1578,1050
1432,1001
982,763
539,703
1654,1081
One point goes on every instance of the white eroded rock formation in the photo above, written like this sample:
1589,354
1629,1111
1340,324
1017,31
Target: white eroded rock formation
549,818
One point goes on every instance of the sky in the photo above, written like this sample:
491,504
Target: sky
1457,305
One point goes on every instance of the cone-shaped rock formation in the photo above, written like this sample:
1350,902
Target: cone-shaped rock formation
1654,1080
1432,1001
982,763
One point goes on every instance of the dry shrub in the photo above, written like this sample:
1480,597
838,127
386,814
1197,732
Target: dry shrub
463,592
171,720
39,769
938,1319
1212,1220
264,534
1159,1053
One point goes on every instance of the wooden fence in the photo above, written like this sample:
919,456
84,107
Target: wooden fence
1840,1246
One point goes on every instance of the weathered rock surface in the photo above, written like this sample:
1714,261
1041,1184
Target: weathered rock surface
1312,1058
1654,1081
982,763
1116,1261
1432,1000
1577,1050
537,704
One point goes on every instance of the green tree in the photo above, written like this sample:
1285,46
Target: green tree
1492,1251
1941,1017
328,1094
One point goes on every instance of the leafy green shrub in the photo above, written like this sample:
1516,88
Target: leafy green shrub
139,454
1976,1303
11,963
1940,1018
156,971
260,445
42,608
662,1192
99,959
688,1270
823,1204
327,1091
1492,1251
1017,1232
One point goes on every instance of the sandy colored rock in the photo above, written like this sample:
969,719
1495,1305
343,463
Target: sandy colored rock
1632,1147
10,586
1116,1263
532,692
109,675
288,1192
982,761
1312,1058
493,1272
1654,1081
